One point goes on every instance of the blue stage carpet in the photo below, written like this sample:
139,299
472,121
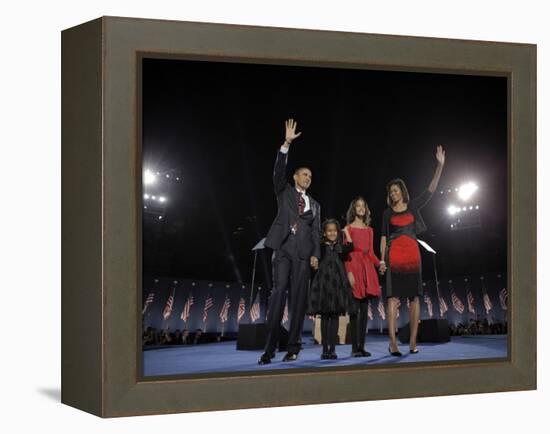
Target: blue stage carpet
223,357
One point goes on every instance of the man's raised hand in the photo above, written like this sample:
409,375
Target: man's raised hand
290,133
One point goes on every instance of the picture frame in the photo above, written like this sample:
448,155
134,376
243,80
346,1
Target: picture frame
101,200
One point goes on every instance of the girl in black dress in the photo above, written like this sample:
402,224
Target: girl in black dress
330,291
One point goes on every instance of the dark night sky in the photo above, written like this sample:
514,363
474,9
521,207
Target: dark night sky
218,126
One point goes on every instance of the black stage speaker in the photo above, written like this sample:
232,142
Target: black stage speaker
253,337
429,330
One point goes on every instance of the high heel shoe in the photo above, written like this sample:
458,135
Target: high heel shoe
394,353
415,351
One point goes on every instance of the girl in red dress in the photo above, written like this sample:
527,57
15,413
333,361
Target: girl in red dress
401,223
361,270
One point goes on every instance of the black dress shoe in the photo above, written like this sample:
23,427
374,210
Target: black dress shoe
325,356
265,358
333,356
290,357
365,353
395,353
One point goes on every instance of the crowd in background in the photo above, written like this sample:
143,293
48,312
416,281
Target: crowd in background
478,327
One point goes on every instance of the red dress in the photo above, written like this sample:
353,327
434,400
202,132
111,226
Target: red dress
361,263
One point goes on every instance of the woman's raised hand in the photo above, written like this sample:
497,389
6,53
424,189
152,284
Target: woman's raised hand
440,155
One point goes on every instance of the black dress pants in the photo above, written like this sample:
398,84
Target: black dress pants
290,278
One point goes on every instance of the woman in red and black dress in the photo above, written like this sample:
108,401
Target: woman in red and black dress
401,223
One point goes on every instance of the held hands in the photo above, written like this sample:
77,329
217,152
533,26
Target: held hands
314,262
440,155
382,267
290,132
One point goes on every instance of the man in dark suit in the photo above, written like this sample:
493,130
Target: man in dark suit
294,237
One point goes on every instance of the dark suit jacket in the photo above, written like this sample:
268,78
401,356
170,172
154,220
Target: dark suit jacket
309,229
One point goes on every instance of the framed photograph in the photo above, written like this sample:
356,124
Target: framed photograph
260,217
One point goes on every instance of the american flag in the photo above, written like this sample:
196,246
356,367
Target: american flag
369,311
503,296
397,306
148,301
442,307
285,313
169,305
457,303
185,313
471,307
429,305
224,313
487,302
381,310
242,309
207,305
255,310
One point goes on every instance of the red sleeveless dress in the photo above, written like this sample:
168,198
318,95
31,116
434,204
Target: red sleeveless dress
362,262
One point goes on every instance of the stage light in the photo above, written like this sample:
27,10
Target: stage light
477,206
153,197
471,207
452,210
149,177
464,209
160,217
452,226
449,191
145,207
162,199
466,191
177,179
146,196
168,176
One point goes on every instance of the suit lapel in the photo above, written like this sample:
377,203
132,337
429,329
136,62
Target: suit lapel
293,197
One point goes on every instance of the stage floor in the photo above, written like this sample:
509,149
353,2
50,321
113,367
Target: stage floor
223,356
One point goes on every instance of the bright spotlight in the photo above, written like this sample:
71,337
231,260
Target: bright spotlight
154,197
149,177
477,206
146,196
160,217
452,210
466,191
162,199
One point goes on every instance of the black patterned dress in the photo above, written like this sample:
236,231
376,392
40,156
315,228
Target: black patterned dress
330,290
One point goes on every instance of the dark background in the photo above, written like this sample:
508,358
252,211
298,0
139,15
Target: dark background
218,126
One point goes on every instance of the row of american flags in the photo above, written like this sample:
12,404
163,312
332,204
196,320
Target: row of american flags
199,309
208,304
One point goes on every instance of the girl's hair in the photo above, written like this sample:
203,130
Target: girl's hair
401,184
331,222
350,215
